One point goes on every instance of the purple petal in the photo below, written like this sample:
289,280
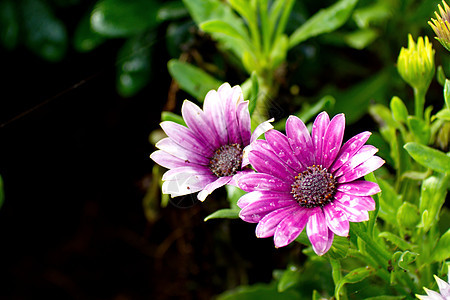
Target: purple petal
330,240
353,214
198,123
317,231
363,154
255,211
231,99
169,161
359,188
255,196
265,161
357,202
280,146
263,182
336,220
235,179
318,134
244,122
249,148
267,226
169,146
219,182
290,227
300,140
333,140
186,170
349,149
363,169
214,114
184,137
181,184
260,129
444,287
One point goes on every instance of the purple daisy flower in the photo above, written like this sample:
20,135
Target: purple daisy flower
208,153
309,181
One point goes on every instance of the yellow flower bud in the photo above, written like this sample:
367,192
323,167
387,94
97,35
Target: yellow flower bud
441,25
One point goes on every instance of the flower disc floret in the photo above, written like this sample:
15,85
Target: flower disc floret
226,160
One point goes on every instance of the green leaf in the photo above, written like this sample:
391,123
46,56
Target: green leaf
447,93
354,276
134,64
326,20
44,33
440,75
172,11
373,14
444,114
251,64
254,93
396,240
290,278
279,51
122,18
429,157
191,79
85,39
399,110
383,116
258,292
219,26
442,250
406,258
234,194
408,216
225,213
432,197
361,38
170,116
339,248
419,128
389,202
9,24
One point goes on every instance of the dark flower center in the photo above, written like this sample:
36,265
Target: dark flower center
314,187
227,160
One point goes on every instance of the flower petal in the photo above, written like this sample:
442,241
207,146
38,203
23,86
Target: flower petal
231,99
357,202
169,146
172,174
317,231
260,129
318,134
300,140
444,287
363,154
330,240
256,196
349,149
169,161
363,169
255,211
434,295
219,182
353,214
184,137
183,184
333,140
336,220
290,227
265,161
214,114
280,146
359,188
267,226
263,182
244,122
196,120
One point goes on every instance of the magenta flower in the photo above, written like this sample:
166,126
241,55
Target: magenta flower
209,152
309,180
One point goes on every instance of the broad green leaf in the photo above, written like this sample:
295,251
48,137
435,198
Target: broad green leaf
373,14
122,18
383,115
444,114
324,21
258,292
396,240
219,26
192,79
134,64
170,116
171,11
361,38
290,277
207,10
419,128
254,93
279,51
9,24
432,197
245,9
415,175
225,213
389,202
399,110
354,276
85,39
44,33
447,93
442,250
429,157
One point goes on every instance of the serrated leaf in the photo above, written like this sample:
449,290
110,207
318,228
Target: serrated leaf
122,18
85,39
354,276
134,64
324,21
9,24
396,240
170,116
192,79
226,213
442,250
44,33
399,110
429,157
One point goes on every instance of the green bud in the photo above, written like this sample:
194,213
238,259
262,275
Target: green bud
416,63
441,25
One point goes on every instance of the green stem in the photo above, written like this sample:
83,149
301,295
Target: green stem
263,7
337,275
419,102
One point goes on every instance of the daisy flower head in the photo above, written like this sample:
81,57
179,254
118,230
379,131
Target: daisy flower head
208,153
444,290
309,180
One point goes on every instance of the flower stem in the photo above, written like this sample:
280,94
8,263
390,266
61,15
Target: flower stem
419,102
337,275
